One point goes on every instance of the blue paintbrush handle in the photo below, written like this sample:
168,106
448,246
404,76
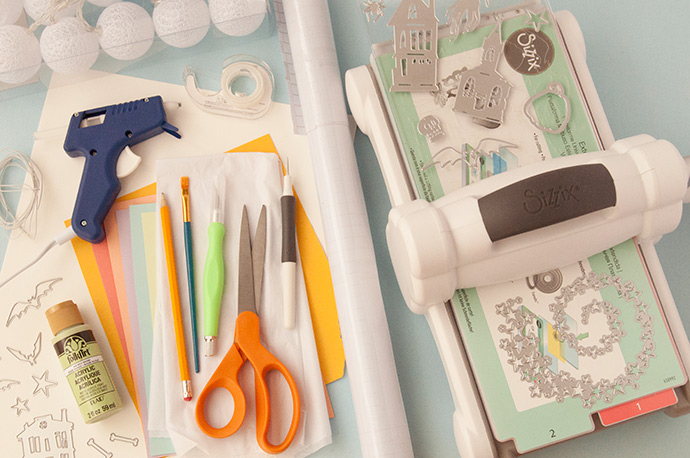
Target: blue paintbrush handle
192,295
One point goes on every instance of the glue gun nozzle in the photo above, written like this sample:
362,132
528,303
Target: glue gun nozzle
172,130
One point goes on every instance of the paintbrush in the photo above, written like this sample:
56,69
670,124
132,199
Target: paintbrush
187,221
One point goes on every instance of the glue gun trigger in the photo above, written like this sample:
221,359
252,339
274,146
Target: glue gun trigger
127,162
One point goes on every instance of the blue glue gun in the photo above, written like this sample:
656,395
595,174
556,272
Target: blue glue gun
101,135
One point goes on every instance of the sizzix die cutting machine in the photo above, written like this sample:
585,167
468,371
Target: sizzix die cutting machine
537,276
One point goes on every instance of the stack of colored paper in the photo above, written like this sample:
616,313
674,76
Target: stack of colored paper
120,273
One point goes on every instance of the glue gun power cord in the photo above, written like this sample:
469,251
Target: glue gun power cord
62,238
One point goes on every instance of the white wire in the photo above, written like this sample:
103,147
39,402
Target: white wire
26,219
45,250
63,237
54,7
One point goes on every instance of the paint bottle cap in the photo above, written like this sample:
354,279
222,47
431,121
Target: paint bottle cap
63,315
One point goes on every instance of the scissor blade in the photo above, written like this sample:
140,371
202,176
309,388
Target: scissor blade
245,284
259,255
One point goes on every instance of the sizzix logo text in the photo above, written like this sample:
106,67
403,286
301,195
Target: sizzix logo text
535,202
529,51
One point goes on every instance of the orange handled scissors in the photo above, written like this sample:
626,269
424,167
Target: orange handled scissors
247,346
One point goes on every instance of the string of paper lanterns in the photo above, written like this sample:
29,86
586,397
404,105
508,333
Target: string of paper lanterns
181,23
237,17
124,30
10,11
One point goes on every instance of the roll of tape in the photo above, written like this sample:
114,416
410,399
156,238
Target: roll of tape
235,103
261,78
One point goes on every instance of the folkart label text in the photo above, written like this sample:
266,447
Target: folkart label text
77,355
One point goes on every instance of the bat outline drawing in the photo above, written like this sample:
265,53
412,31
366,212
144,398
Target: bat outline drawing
33,302
6,384
31,359
473,154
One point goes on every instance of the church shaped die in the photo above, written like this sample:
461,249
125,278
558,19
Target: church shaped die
482,91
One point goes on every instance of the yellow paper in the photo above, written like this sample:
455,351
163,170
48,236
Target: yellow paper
149,224
555,345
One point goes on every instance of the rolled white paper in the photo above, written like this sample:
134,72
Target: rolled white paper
379,409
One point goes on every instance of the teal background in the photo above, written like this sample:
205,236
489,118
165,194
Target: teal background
637,54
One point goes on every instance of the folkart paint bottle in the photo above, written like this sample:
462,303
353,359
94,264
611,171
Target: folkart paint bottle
82,363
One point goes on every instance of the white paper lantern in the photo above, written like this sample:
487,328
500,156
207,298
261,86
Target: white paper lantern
34,8
103,3
10,11
237,17
67,47
181,23
126,30
20,54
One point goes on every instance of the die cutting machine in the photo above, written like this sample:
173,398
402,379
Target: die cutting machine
518,224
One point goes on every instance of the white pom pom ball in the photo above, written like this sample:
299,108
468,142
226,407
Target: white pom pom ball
10,11
181,23
126,30
237,17
103,3
20,54
34,8
67,47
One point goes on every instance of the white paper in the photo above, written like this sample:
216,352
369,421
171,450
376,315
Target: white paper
379,409
251,179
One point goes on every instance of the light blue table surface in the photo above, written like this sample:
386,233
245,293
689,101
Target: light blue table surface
637,52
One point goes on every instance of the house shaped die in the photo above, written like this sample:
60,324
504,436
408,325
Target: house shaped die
47,437
415,35
482,91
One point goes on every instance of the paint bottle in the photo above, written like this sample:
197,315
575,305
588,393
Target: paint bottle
82,362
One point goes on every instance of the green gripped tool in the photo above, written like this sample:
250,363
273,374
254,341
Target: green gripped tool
214,270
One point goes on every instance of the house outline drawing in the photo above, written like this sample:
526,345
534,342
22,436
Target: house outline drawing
47,437
415,32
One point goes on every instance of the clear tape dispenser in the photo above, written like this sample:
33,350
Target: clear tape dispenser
246,88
